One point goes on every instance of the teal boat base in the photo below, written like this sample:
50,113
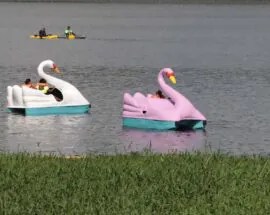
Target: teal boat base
57,110
164,125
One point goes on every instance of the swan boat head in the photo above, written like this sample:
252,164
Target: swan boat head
169,73
47,64
53,66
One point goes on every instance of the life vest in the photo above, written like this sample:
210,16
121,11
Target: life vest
43,89
68,31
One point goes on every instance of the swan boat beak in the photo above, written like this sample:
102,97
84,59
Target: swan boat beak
172,79
55,69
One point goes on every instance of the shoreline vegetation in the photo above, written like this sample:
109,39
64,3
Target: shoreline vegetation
199,2
137,183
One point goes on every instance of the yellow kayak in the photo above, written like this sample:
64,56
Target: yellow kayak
48,37
71,37
54,36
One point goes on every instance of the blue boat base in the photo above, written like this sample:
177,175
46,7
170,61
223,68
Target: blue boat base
57,110
164,125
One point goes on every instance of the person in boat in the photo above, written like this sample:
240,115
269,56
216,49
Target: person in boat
42,33
159,95
69,32
42,85
28,83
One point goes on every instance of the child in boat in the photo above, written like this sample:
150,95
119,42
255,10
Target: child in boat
42,85
159,95
28,83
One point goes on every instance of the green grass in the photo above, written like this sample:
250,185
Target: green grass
135,184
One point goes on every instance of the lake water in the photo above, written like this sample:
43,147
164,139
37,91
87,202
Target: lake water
220,54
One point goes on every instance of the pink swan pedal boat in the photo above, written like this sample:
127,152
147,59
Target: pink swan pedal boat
175,113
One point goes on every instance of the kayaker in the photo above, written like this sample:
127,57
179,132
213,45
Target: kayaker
42,85
69,32
42,33
28,83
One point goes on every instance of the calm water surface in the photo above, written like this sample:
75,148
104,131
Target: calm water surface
220,54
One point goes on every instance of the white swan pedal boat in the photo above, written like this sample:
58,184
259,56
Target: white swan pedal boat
63,99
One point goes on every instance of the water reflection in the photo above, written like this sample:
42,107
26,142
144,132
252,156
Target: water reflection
164,142
53,134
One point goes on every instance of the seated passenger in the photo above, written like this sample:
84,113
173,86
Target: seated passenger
159,95
28,83
69,32
42,33
42,85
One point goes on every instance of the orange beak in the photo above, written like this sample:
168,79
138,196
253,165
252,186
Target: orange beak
172,79
55,69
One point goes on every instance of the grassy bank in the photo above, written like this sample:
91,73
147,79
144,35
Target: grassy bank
134,184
